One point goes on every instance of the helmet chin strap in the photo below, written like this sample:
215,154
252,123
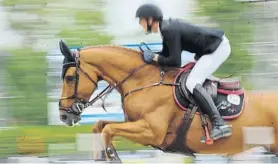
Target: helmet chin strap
149,27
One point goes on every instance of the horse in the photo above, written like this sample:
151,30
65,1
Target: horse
158,109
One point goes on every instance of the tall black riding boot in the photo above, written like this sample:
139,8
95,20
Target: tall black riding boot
219,128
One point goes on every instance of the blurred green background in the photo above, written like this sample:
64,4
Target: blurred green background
41,23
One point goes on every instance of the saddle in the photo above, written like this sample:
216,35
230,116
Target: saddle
227,93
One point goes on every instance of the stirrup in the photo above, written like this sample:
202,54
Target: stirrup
223,135
207,139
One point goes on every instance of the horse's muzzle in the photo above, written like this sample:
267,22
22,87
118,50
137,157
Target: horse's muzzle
69,119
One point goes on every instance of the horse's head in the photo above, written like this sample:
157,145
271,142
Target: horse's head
74,95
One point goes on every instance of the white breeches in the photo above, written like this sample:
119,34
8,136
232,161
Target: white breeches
208,64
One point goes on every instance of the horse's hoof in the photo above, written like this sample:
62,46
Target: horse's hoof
113,158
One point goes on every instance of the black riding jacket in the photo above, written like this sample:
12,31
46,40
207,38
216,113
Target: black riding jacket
181,36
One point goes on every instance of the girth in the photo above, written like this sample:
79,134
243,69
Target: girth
179,144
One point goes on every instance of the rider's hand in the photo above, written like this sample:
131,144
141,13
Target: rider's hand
148,56
156,57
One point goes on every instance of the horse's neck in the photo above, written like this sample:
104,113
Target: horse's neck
117,64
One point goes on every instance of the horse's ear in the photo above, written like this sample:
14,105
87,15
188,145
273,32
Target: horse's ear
65,50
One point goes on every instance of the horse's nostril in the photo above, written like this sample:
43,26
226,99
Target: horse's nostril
64,117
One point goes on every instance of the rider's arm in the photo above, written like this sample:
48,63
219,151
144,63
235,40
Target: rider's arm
164,52
173,43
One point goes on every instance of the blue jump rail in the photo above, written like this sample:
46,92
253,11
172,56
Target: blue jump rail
127,45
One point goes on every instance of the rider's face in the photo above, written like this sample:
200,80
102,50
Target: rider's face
143,23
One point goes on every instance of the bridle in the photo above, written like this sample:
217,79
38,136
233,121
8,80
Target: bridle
80,104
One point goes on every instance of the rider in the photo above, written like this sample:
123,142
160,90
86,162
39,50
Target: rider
211,48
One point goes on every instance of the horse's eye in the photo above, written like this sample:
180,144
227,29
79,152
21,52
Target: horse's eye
69,78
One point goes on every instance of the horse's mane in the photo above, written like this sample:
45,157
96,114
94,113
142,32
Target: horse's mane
113,46
172,71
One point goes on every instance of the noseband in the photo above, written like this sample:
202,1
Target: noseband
79,103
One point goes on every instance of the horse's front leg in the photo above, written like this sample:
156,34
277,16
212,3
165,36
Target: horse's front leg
99,153
140,132
97,128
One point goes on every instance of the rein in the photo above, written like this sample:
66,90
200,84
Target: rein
80,104
110,88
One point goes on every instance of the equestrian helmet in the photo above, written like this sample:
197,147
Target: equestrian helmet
149,10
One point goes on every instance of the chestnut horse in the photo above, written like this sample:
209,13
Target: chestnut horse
152,102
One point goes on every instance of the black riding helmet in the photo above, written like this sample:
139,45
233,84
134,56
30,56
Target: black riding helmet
149,10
